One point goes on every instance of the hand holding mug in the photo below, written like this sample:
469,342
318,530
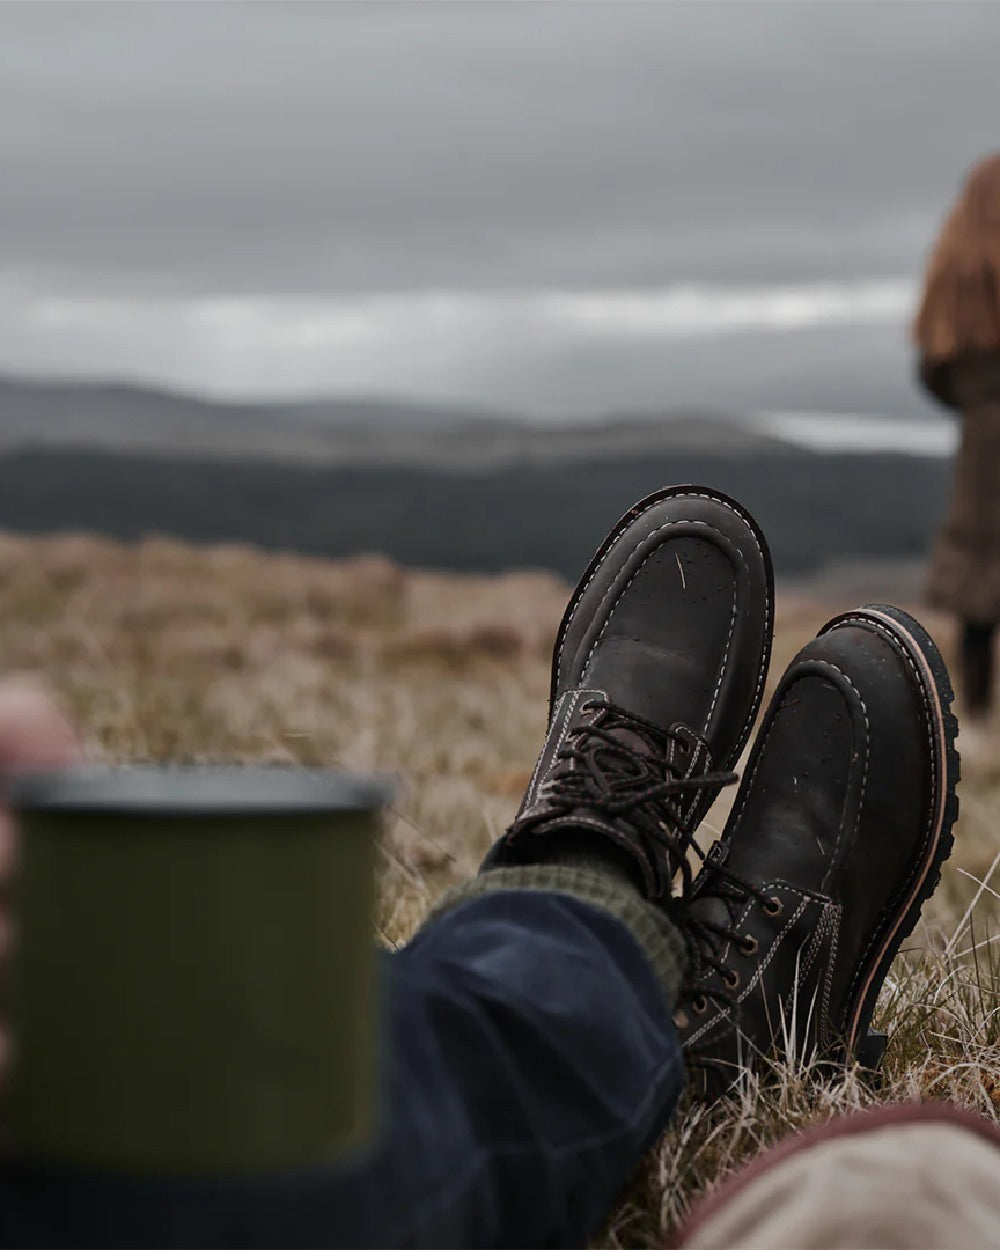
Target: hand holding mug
34,734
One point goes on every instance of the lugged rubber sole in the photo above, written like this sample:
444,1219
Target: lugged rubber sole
938,695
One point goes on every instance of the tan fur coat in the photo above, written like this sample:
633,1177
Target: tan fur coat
964,574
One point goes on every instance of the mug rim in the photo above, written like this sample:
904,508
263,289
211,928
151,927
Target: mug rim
187,789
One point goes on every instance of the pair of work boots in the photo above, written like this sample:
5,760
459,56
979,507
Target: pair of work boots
844,814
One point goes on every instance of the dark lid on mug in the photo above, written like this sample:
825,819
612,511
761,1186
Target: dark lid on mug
149,789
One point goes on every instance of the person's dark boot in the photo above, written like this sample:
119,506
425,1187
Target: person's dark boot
976,651
836,839
657,677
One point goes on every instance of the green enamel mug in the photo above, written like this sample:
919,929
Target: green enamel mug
192,985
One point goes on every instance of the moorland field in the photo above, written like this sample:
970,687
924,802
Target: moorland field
168,651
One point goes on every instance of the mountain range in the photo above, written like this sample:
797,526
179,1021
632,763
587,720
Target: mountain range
128,419
446,487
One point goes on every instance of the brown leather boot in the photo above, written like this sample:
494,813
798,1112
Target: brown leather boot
657,676
836,839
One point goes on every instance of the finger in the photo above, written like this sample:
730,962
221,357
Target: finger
6,846
34,734
34,731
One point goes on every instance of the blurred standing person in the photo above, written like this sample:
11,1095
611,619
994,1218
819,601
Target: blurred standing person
957,333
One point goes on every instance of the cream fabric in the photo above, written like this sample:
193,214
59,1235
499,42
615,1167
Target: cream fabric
900,1187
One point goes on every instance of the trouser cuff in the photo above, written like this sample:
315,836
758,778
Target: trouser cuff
654,930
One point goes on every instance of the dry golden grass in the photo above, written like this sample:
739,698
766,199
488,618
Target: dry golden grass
165,651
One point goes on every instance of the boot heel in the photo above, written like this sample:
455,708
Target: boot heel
871,1048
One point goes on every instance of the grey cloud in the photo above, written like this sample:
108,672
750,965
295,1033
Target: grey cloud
310,147
844,369
199,150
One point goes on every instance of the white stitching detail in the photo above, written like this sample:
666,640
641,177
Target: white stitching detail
725,660
898,646
813,950
600,609
541,754
864,776
700,752
865,622
747,784
828,926
737,924
761,967
628,520
747,787
830,965
574,699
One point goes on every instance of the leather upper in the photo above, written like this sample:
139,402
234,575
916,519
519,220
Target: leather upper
674,619
833,829
671,625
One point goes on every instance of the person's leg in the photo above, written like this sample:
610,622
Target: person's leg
532,1055
533,1058
543,989
976,649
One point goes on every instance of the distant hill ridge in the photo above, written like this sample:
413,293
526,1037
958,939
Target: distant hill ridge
544,515
450,488
125,418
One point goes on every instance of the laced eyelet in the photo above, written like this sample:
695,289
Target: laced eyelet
731,979
699,1005
773,906
748,945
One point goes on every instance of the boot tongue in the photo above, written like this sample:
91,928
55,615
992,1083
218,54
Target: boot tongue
622,754
684,752
718,902
634,739
648,756
632,669
602,771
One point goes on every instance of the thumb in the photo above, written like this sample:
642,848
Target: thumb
34,731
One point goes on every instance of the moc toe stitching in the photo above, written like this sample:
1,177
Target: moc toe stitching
574,698
748,526
669,657
893,683
834,860
730,550
919,862
759,753
725,658
628,519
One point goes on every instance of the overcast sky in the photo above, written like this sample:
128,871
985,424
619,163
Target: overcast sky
564,208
